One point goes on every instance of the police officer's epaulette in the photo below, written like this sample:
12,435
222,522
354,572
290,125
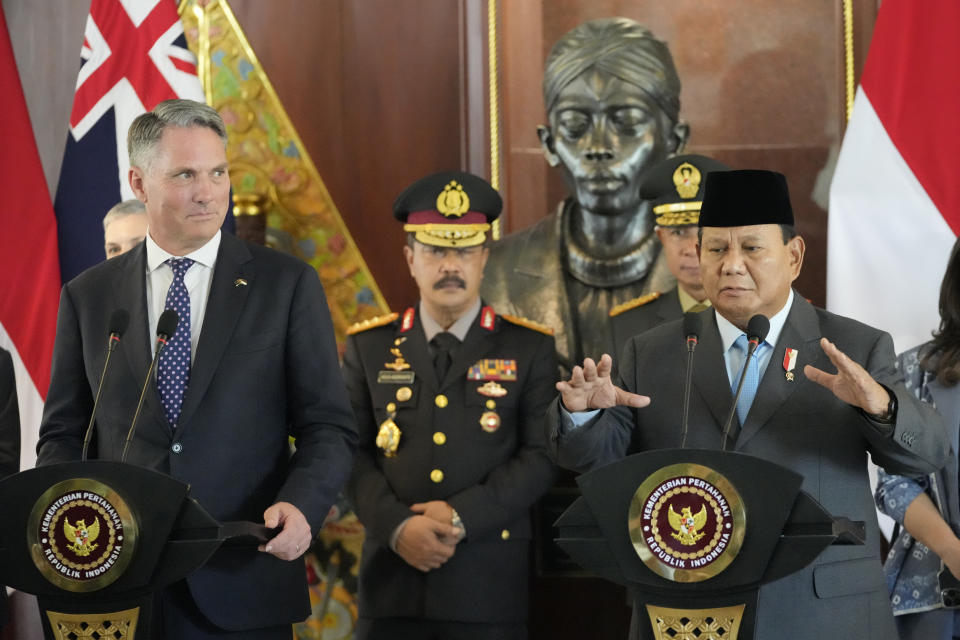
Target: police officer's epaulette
529,324
371,323
633,304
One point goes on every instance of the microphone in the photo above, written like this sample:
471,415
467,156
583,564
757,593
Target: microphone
166,327
757,329
691,329
119,320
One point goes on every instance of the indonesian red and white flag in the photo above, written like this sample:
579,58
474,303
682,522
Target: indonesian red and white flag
30,286
134,55
895,195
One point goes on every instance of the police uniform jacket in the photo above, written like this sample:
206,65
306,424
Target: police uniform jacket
490,476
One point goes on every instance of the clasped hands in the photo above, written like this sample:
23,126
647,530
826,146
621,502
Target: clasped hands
590,386
427,540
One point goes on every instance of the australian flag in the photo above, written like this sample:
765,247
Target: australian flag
134,55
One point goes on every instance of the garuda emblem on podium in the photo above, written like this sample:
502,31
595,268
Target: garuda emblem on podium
82,536
687,522
686,525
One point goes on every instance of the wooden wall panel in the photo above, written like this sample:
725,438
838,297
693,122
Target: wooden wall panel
763,87
374,88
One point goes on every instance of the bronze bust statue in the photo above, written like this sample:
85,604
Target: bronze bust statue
613,105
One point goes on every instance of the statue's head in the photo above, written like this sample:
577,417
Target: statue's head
613,106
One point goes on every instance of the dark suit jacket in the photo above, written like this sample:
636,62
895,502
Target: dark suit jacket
9,438
265,368
490,478
635,321
797,424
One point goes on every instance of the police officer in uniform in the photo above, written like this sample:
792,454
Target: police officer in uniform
675,186
449,398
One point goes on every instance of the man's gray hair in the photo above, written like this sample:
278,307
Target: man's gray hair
621,47
122,210
146,130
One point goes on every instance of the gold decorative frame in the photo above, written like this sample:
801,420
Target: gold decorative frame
738,518
66,626
494,102
718,623
850,88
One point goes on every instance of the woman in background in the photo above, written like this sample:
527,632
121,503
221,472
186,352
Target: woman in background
928,508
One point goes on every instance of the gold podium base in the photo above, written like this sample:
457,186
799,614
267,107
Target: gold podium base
721,623
117,625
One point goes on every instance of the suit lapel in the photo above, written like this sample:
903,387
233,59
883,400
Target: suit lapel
801,332
131,294
223,309
710,373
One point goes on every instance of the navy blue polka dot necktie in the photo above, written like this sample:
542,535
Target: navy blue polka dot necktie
173,369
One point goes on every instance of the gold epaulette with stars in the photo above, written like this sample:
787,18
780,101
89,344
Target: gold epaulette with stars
371,323
529,324
633,304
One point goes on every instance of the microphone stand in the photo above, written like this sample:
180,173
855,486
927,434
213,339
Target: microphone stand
691,345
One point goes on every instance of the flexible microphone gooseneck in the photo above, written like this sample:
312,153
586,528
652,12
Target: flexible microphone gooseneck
119,320
691,329
757,330
166,327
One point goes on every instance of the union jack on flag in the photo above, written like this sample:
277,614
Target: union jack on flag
134,55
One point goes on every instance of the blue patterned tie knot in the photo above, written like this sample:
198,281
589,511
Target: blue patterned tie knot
173,369
752,374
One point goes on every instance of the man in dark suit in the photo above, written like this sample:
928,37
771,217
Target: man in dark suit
675,189
813,422
449,400
9,439
253,363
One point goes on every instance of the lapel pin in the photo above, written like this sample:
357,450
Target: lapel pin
789,363
239,282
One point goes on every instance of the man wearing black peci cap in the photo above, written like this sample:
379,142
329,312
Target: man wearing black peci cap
449,398
675,189
816,423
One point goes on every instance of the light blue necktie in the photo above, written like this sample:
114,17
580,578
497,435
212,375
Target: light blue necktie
752,380
173,369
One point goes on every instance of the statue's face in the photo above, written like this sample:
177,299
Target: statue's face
604,133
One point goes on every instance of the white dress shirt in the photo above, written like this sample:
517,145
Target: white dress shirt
197,280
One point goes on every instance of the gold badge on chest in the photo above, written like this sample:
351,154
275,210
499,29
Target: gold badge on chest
490,421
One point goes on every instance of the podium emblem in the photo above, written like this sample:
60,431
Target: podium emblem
687,522
81,535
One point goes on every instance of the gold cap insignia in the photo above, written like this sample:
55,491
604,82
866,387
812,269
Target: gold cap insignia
453,201
687,180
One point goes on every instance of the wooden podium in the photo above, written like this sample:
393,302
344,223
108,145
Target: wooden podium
693,534
94,541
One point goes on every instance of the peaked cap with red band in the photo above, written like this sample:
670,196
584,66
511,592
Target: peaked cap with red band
448,209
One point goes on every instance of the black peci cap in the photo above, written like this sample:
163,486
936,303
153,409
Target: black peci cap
745,197
448,209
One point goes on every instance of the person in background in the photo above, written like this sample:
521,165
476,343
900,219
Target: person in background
253,362
9,439
792,411
449,399
928,507
675,187
124,227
